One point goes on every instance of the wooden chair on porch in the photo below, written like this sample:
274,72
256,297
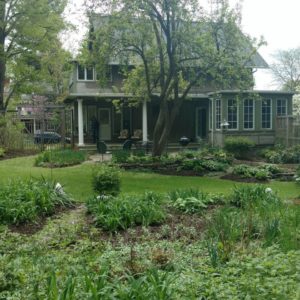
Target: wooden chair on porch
123,135
137,135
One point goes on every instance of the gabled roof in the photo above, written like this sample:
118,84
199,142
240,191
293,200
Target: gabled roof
256,61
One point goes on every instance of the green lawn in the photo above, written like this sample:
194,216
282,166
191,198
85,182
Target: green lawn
77,180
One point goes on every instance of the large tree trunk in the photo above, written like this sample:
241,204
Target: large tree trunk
164,125
2,56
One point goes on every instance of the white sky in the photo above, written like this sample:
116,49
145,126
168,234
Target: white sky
276,20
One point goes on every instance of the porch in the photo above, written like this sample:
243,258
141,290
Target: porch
98,119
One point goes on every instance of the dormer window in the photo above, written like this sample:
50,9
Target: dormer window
85,73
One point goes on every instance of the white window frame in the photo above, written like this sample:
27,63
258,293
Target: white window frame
220,114
253,114
271,114
85,74
237,115
286,108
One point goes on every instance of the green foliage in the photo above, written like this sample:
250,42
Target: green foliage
193,200
60,158
26,201
261,173
247,196
239,146
258,214
106,180
113,214
2,152
281,155
11,133
120,156
34,54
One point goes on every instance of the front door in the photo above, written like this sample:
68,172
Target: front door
104,124
201,123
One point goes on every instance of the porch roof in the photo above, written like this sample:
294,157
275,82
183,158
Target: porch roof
74,96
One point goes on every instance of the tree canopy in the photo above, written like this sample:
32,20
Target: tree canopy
30,50
286,69
174,47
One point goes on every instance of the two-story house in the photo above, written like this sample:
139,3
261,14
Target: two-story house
209,115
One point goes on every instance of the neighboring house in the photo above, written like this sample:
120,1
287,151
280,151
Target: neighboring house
209,116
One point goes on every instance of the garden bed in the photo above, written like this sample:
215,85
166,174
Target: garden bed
34,227
18,153
237,178
161,169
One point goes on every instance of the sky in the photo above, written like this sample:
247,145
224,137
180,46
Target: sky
277,21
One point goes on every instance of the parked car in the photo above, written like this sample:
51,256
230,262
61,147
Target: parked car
49,137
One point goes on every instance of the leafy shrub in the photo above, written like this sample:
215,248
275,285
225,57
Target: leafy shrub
2,152
238,146
11,133
26,201
60,158
282,155
261,174
120,156
273,169
112,213
106,180
245,171
192,200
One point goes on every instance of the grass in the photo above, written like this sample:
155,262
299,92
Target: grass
70,258
77,180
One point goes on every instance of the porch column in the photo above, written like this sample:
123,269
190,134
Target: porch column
80,123
145,122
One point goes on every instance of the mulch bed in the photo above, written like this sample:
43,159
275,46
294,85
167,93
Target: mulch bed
18,153
237,178
161,169
32,228
178,223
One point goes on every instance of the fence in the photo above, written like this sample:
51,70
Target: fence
38,128
287,130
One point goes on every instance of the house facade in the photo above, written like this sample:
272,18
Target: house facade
208,116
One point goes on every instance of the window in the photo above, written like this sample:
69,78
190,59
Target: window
232,114
281,107
266,113
85,73
81,73
248,114
218,114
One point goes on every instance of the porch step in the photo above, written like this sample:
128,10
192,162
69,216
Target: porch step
172,147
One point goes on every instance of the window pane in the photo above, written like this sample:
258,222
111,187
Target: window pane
281,107
248,114
232,114
266,114
80,72
90,73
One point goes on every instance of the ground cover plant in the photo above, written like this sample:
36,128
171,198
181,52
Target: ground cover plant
193,200
26,201
282,155
185,162
58,158
260,173
113,213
